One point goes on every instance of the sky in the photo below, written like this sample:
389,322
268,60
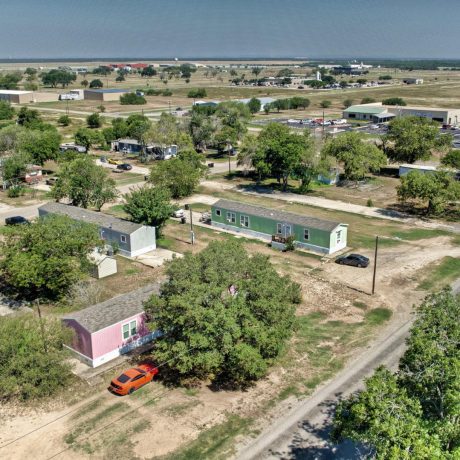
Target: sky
229,28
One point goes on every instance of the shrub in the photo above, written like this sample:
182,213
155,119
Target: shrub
394,101
132,99
64,120
198,92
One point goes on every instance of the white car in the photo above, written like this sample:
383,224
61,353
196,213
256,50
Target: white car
179,213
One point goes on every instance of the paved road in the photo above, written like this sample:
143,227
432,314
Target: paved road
29,212
303,432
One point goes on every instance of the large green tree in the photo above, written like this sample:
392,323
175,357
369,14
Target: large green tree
357,156
415,412
433,190
410,139
224,315
45,258
84,183
180,175
149,206
88,137
6,111
40,146
32,358
58,77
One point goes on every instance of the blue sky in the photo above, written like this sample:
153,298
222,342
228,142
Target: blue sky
229,28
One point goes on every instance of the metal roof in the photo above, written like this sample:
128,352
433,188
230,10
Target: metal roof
279,216
373,109
114,90
92,217
14,91
114,310
129,141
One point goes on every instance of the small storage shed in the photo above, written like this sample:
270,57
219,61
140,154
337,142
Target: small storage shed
129,238
318,235
104,265
109,329
104,95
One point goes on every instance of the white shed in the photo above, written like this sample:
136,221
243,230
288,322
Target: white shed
104,265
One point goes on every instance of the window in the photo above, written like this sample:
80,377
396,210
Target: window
279,229
288,230
125,331
133,327
339,236
129,329
218,212
123,238
306,234
231,217
244,221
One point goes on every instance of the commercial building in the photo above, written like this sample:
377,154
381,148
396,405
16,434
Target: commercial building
104,95
129,238
25,97
109,329
317,235
413,81
377,113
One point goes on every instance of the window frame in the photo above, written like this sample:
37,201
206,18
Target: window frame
218,213
123,331
306,234
338,237
279,228
131,328
123,239
231,217
244,220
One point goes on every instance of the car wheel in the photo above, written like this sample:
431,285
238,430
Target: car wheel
131,391
341,262
359,266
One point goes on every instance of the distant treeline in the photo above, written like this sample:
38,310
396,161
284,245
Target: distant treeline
403,64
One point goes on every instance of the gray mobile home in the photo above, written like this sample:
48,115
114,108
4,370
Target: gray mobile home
130,238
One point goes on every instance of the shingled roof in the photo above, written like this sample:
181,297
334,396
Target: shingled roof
114,310
279,216
98,218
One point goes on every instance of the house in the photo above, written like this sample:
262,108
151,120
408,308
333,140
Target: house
158,152
406,169
413,81
112,328
129,238
317,235
33,174
104,95
127,146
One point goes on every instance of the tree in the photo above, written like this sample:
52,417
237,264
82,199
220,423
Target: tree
96,83
14,168
252,156
31,72
256,71
103,70
132,99
29,118
120,78
325,104
452,159
64,120
254,105
413,413
94,120
202,129
84,183
148,72
57,77
357,156
10,138
169,131
347,103
6,111
367,100
10,80
197,93
45,258
394,101
84,83
282,150
434,190
180,175
224,315
385,77
149,206
34,363
413,138
88,137
40,146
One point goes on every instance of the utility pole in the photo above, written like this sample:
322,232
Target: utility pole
323,123
42,326
192,233
228,153
375,263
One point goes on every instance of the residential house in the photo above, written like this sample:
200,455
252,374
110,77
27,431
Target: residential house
129,238
317,235
112,328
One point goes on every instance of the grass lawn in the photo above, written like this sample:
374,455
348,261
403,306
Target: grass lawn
439,275
127,178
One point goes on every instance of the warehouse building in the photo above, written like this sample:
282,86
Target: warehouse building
104,95
25,97
378,113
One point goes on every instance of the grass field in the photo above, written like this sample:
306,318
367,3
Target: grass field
439,275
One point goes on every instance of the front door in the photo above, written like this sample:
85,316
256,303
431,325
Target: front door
286,230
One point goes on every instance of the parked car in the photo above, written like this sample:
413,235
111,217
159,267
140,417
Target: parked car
103,159
51,180
178,213
354,260
16,220
113,161
125,167
132,379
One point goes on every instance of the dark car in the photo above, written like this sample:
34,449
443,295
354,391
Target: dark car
354,260
125,167
16,220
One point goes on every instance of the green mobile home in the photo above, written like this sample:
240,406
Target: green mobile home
317,235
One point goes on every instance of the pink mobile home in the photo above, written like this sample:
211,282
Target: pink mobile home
111,328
